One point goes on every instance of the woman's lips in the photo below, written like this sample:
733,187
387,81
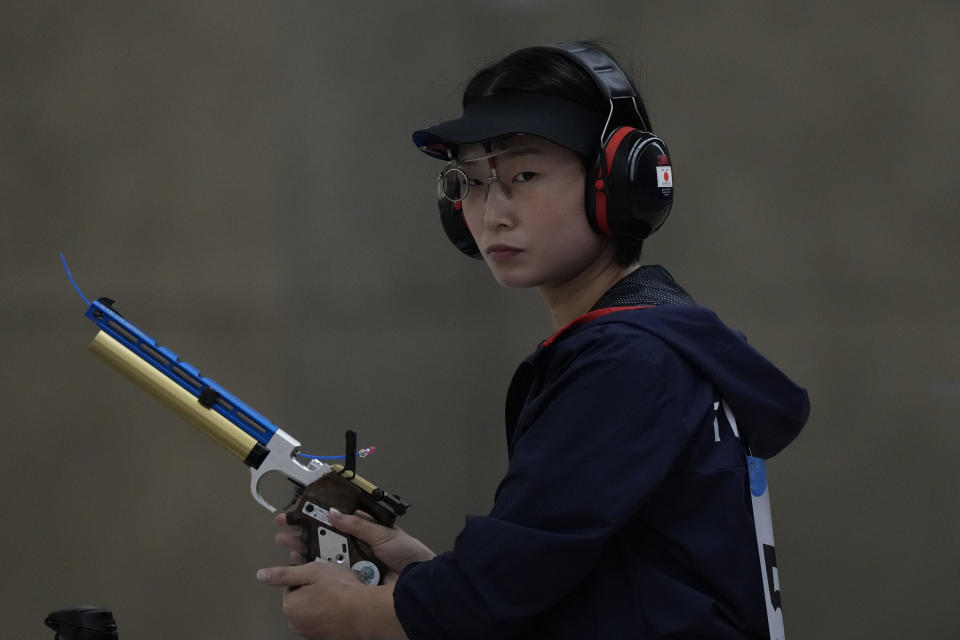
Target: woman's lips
502,251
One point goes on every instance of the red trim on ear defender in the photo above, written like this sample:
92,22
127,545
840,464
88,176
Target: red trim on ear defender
600,203
610,148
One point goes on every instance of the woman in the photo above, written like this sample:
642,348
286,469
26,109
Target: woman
626,510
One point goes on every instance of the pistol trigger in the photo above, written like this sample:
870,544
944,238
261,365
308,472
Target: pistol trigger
297,494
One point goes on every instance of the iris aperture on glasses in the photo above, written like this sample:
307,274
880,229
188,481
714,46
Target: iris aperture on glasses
454,184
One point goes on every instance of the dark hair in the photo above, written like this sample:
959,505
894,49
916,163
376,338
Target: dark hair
535,70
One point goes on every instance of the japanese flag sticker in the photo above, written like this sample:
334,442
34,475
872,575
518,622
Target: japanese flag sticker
665,176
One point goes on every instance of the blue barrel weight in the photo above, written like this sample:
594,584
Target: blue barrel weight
208,392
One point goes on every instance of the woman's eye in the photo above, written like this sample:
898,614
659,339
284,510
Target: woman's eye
524,176
473,182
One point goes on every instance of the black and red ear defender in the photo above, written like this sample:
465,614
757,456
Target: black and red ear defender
629,189
629,192
455,226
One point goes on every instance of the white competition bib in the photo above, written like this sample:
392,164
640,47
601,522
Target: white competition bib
768,558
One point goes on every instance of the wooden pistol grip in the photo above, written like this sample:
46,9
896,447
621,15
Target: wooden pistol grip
335,491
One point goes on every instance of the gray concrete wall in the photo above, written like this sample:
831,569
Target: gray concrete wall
239,176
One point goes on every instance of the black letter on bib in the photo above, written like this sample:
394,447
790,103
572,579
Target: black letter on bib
770,562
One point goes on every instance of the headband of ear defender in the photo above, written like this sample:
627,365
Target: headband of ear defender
629,190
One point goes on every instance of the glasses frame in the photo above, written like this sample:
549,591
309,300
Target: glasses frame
465,180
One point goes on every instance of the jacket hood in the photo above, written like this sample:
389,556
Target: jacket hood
769,407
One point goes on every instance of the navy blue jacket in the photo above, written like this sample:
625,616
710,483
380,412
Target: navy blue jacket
625,511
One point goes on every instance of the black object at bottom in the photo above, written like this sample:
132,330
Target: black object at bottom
83,623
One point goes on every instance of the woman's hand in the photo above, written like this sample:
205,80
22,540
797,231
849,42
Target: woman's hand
324,600
392,545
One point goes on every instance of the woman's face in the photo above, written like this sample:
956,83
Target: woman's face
529,223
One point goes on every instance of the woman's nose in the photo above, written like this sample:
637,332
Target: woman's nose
497,205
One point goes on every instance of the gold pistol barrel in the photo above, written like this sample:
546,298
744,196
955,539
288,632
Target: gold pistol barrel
173,395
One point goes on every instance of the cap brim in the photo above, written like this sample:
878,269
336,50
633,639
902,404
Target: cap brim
568,124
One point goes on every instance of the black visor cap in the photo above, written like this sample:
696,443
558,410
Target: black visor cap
568,124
